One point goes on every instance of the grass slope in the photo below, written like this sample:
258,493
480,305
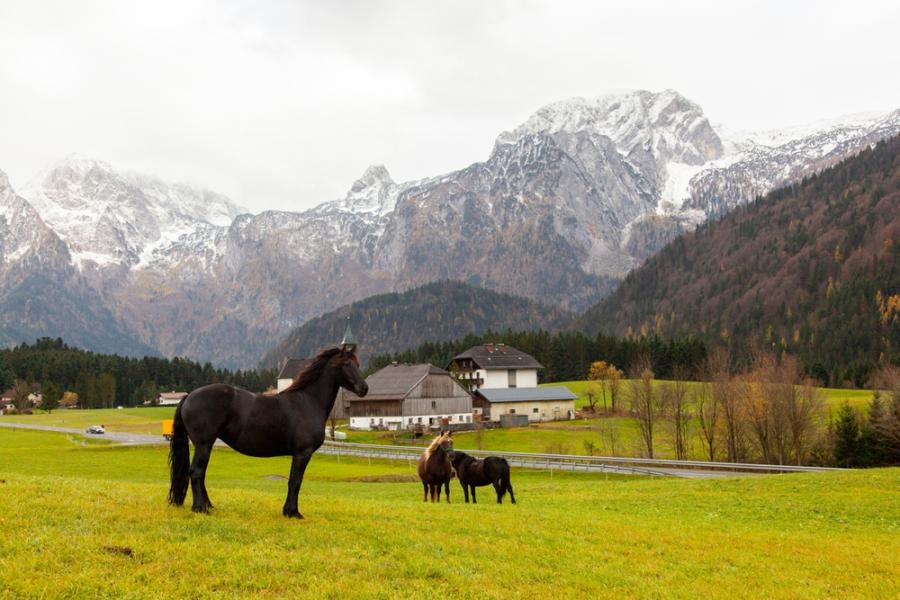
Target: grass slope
71,510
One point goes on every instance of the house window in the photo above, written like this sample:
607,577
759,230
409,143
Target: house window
512,411
410,420
434,404
534,410
420,419
468,418
371,421
512,378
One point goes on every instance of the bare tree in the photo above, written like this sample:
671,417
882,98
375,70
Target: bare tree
708,417
615,387
644,401
675,395
805,417
20,395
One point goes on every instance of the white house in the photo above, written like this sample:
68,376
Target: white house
170,398
403,396
495,366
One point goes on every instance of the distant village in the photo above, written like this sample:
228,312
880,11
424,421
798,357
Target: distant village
490,384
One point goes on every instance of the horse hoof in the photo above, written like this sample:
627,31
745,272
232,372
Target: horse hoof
292,514
201,509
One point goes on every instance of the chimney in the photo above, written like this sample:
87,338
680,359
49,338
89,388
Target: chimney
490,347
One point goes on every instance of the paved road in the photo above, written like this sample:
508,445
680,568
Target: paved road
130,439
138,439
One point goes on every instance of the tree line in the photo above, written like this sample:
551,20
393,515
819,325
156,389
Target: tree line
566,356
771,413
107,380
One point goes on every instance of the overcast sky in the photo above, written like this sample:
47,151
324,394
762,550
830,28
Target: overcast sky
284,104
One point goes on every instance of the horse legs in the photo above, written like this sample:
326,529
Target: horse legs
298,467
446,491
201,503
425,492
466,492
499,490
435,491
512,496
474,499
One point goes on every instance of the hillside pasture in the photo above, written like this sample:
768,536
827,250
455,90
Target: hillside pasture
91,521
833,397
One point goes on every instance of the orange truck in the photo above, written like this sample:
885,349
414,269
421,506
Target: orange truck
168,428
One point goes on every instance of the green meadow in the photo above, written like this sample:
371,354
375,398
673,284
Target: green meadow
89,520
833,397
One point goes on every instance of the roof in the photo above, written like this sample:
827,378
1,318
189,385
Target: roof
538,394
395,381
178,395
499,356
292,367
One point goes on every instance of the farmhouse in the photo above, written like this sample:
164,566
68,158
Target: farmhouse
550,403
288,373
495,366
404,396
170,398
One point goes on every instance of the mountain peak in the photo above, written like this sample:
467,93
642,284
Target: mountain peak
665,123
375,175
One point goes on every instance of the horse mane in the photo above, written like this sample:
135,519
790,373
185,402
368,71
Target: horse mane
312,371
434,445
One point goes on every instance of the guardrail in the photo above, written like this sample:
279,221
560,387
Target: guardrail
573,462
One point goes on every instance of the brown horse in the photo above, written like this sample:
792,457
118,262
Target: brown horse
435,468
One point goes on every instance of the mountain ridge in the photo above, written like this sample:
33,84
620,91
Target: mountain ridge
564,207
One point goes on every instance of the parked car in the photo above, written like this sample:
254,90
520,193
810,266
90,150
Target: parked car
95,429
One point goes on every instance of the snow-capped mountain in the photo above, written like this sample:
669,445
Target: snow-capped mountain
564,206
112,218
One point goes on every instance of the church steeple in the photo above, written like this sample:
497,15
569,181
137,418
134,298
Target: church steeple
349,342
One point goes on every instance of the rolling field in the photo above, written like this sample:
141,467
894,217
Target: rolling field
834,397
145,420
83,519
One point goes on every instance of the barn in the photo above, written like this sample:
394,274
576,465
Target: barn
552,403
405,396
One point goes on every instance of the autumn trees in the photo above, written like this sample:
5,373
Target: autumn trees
605,383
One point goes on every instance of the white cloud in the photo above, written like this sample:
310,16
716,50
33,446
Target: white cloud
284,104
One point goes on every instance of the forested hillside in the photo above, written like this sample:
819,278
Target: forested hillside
812,269
445,310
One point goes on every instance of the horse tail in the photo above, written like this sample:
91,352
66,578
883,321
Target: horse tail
179,460
505,484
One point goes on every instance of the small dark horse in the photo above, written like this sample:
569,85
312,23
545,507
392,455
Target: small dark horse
472,473
435,469
291,423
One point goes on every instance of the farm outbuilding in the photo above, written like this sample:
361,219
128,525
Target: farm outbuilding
550,403
288,373
404,396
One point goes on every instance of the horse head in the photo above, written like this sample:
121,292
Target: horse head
348,374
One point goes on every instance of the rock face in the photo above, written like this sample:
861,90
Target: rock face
565,205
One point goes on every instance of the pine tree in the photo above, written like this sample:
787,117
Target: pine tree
847,440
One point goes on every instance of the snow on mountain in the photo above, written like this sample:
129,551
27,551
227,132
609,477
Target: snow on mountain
565,205
111,218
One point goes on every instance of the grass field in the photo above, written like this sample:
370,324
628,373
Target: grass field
145,420
90,520
834,397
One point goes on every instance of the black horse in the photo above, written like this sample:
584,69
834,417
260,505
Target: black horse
472,473
291,423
